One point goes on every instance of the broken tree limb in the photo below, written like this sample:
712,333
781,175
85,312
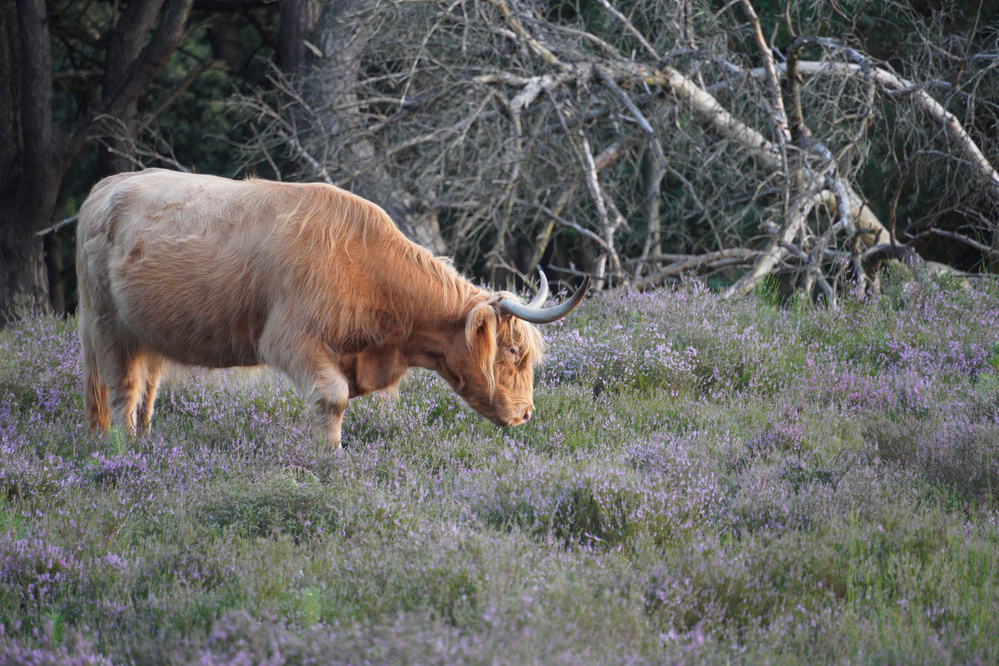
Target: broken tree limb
698,263
888,81
773,80
775,251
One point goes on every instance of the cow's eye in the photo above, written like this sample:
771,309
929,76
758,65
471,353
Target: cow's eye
514,351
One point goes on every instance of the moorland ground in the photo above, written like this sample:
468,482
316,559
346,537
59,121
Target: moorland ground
704,481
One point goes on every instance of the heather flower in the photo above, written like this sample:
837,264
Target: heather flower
33,571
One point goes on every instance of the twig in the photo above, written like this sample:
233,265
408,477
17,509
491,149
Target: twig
561,221
776,101
623,96
59,225
179,89
534,44
631,28
302,154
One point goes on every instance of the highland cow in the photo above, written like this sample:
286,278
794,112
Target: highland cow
306,278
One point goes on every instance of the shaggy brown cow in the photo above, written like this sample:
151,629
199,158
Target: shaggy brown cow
307,278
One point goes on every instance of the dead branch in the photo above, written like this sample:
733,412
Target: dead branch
890,82
698,264
776,251
773,82
656,169
538,139
960,238
557,219
631,29
58,225
623,96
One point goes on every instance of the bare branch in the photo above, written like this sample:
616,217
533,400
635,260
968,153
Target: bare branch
631,29
302,154
623,96
698,264
59,225
776,249
961,238
773,82
556,218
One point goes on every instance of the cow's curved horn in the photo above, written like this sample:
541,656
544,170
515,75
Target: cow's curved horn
536,315
542,295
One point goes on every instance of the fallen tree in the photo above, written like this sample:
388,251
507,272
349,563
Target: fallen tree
647,145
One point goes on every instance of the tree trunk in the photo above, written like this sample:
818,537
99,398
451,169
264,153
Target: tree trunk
34,152
10,99
298,20
23,277
27,167
22,252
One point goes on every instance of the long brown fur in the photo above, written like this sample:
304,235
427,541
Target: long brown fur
308,278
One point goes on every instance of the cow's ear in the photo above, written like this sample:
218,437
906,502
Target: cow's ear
480,333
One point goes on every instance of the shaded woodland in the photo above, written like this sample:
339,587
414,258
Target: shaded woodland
786,146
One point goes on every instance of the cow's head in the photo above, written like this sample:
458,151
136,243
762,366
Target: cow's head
492,367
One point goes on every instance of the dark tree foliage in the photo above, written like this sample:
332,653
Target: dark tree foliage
40,54
96,87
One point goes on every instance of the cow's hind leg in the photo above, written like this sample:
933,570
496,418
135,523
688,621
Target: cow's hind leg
123,368
150,374
95,391
311,366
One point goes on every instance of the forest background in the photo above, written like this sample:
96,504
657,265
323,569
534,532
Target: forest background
639,141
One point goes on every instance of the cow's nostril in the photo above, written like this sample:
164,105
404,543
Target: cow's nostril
527,416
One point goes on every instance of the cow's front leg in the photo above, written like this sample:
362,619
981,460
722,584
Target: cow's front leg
312,367
328,398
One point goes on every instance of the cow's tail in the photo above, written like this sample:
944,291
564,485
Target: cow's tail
95,392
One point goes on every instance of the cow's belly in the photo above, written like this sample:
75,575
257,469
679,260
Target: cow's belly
196,335
192,316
